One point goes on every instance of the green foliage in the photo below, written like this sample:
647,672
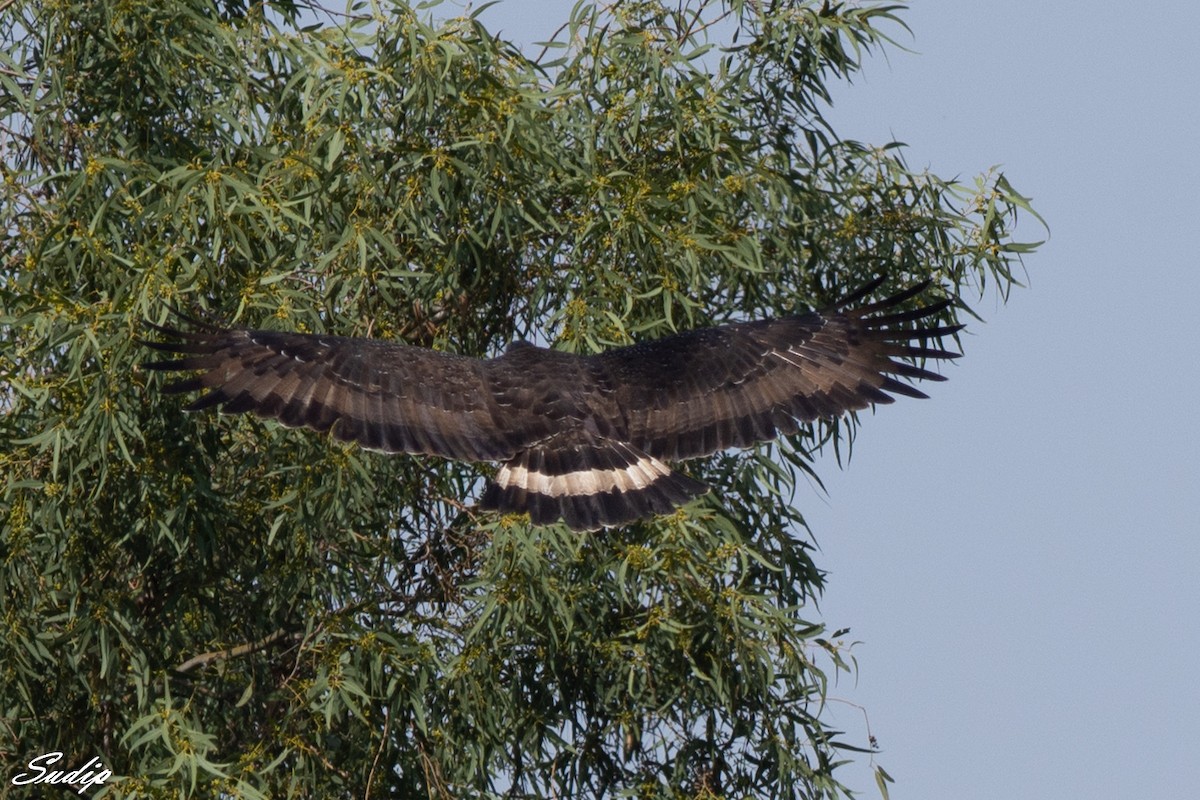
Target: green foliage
216,606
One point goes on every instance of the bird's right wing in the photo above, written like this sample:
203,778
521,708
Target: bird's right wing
384,396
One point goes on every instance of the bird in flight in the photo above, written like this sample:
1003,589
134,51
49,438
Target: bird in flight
586,439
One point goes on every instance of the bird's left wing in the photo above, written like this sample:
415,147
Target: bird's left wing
384,396
703,391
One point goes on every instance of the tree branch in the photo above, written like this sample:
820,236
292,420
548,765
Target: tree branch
235,652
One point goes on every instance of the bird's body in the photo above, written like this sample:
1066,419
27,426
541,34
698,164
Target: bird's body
585,438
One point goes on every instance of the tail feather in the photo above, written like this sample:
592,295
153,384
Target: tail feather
589,483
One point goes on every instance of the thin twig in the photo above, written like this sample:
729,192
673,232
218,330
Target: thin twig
387,724
234,652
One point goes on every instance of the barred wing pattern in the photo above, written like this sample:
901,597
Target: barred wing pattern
387,397
708,390
584,439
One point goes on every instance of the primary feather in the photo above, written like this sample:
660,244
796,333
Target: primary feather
584,439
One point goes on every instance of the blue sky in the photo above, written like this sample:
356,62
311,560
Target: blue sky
1020,555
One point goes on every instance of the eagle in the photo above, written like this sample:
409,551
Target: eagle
586,439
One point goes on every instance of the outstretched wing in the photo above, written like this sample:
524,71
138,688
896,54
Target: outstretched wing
703,391
583,439
383,396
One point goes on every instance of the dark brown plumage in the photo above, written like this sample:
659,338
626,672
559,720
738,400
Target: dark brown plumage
580,438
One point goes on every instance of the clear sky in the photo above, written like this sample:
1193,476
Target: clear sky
1020,555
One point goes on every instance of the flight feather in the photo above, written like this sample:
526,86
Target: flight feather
582,438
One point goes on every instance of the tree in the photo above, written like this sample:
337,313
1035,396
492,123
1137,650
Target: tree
217,606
